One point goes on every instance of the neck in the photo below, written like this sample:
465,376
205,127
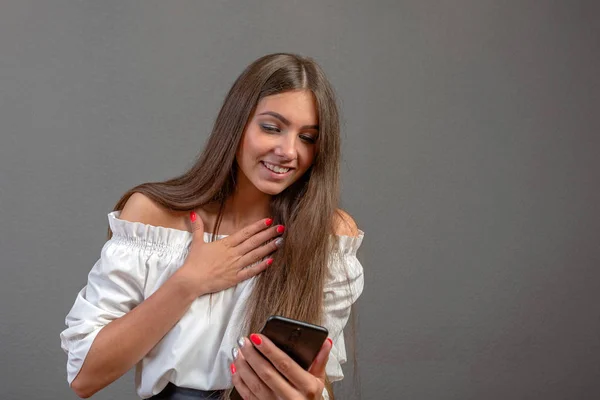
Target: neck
246,205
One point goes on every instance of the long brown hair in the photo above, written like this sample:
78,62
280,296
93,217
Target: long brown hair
293,286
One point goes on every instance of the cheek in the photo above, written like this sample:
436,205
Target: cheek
246,151
254,144
307,157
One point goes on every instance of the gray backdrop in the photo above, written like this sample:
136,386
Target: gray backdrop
470,160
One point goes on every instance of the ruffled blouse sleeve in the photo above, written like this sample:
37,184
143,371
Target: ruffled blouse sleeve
343,286
116,283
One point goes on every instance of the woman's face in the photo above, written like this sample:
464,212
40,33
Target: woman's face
279,142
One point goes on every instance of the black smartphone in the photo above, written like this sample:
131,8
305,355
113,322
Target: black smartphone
299,340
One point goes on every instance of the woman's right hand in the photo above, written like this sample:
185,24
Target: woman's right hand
215,266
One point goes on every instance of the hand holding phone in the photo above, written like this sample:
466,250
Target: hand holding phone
301,341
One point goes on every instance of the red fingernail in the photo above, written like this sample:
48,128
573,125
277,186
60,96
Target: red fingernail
269,261
255,339
330,341
269,221
193,216
232,366
280,229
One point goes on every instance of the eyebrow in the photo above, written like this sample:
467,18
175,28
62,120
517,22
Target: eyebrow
286,121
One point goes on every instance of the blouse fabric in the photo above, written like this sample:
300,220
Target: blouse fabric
196,352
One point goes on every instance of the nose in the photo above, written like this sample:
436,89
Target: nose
286,147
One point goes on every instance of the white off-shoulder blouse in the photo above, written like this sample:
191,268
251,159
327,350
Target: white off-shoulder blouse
196,352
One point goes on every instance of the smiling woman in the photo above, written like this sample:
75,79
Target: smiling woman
251,230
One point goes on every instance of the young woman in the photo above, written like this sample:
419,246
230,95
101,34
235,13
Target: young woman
251,230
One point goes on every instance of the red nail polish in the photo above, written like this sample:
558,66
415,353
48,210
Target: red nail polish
232,366
256,339
269,261
330,341
269,221
280,229
193,216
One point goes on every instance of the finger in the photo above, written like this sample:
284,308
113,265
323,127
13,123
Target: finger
317,368
260,239
283,363
267,372
253,270
250,378
249,231
259,253
197,226
241,387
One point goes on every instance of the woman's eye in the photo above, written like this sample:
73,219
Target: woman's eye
269,128
308,139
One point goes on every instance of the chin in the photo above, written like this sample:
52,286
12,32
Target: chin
272,191
270,188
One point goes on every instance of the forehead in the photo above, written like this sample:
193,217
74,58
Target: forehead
298,106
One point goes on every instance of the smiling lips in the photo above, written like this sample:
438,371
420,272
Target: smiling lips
276,168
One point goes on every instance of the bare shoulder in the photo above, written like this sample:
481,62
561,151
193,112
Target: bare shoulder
141,208
344,224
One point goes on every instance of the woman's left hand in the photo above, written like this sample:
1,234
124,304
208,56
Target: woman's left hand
282,379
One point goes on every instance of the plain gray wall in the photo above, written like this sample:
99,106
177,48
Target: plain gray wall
471,161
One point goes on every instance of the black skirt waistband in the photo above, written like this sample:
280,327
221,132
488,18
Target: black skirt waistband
172,392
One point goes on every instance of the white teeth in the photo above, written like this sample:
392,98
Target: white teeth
276,168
